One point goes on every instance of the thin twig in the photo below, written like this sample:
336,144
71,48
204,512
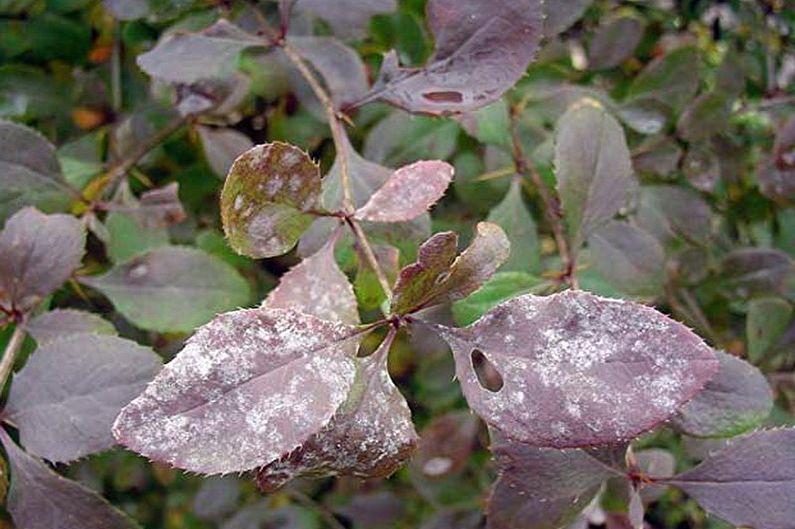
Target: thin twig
369,254
699,316
318,507
497,173
524,166
10,353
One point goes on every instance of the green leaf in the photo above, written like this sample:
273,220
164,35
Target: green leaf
489,124
501,287
514,218
129,239
172,288
767,320
672,79
705,116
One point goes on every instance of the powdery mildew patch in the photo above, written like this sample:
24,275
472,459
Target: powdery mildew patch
579,369
236,397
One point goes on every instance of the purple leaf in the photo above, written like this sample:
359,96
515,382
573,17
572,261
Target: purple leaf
222,146
29,171
247,389
749,483
60,323
172,288
482,48
562,15
191,57
268,198
347,18
41,499
737,399
705,116
439,277
750,272
158,208
671,213
775,182
370,436
593,168
65,399
615,41
543,488
318,287
38,253
577,370
655,463
409,192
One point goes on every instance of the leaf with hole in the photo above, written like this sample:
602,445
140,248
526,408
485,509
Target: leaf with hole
566,363
236,399
482,48
65,399
268,198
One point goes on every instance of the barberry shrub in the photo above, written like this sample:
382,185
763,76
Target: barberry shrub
556,345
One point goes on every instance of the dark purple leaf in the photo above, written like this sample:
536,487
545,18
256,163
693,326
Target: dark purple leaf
60,323
347,18
749,483
247,389
191,57
318,287
38,253
615,41
267,199
370,436
594,169
628,258
440,277
543,488
374,510
737,399
41,499
29,171
482,48
409,192
172,288
659,156
446,445
158,208
577,369
65,399
751,272
672,213
222,147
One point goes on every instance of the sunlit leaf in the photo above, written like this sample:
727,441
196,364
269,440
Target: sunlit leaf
65,399
172,288
38,253
482,48
267,198
41,499
59,323
568,362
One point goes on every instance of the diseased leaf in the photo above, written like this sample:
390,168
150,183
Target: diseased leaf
542,488
438,277
409,192
750,272
615,41
172,288
222,146
30,174
191,57
705,116
371,435
482,48
514,218
628,258
594,170
65,399
41,499
60,323
767,320
347,18
318,287
568,362
749,483
501,287
247,389
737,399
446,445
673,213
267,198
38,253
672,79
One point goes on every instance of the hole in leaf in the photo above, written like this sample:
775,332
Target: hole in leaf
488,376
444,97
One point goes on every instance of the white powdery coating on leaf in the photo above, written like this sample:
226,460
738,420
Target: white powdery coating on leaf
248,387
579,369
318,287
408,193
